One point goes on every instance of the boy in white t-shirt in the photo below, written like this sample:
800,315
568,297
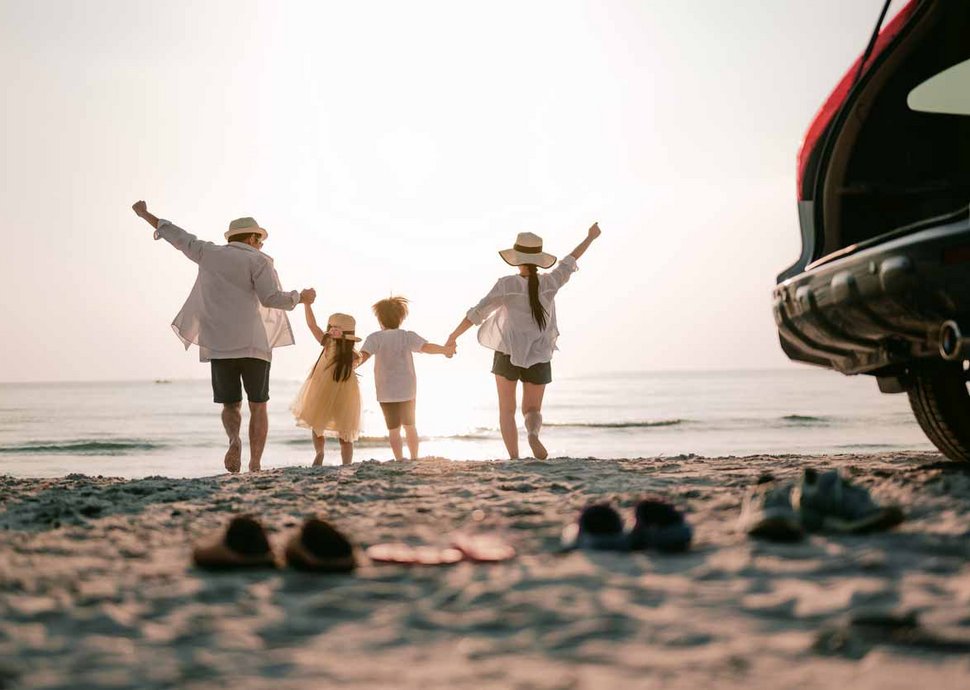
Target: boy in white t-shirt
394,370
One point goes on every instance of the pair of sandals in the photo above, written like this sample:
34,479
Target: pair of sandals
658,525
319,547
316,547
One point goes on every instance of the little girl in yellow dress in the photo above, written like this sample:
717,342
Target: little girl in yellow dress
329,400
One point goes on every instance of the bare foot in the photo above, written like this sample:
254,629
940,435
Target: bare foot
233,461
538,450
318,460
254,466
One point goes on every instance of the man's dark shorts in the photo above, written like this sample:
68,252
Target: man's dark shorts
539,374
226,375
398,413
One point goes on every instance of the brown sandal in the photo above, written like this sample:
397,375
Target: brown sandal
243,545
320,547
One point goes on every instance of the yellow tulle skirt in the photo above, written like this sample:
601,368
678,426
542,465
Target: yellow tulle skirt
328,407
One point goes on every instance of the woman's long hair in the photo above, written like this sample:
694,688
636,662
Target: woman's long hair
343,362
538,311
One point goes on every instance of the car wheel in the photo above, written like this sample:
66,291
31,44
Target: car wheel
941,403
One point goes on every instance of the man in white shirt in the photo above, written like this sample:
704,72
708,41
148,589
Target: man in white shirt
235,315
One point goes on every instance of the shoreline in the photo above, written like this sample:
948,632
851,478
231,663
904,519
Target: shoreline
96,586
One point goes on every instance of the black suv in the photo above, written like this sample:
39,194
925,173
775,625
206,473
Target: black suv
882,286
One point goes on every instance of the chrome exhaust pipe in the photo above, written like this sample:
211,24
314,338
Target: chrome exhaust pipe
953,344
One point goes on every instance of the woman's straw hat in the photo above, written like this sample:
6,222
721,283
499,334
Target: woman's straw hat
243,225
527,250
346,323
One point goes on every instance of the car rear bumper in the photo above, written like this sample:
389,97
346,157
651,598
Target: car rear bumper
881,306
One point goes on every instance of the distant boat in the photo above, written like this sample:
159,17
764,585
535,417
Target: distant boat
163,380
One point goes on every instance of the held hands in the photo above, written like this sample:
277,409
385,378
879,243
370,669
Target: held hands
308,296
451,347
594,231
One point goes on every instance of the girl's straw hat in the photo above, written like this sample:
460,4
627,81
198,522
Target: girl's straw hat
527,250
244,225
345,323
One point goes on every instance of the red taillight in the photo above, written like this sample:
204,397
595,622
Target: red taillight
835,100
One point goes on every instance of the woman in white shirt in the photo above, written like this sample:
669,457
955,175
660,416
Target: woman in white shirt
517,319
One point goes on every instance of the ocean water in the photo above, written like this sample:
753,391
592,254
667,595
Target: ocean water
137,429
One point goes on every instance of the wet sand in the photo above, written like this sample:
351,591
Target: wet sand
97,590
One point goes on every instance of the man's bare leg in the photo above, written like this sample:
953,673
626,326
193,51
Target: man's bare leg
258,428
411,432
394,436
231,421
506,415
318,443
346,452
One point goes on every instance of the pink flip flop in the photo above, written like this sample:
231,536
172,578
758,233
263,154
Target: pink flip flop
483,548
399,553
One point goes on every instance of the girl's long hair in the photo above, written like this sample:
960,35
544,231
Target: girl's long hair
538,311
343,363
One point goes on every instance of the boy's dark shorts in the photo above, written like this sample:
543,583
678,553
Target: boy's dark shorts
539,374
226,375
398,413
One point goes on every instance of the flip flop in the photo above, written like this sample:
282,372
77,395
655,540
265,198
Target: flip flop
659,526
483,548
399,553
599,528
243,545
319,547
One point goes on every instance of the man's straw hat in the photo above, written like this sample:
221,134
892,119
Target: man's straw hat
244,225
345,323
527,250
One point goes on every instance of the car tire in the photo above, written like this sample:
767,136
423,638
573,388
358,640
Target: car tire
939,398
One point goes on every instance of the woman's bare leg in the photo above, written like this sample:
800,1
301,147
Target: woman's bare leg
532,413
506,415
394,436
318,443
346,452
411,432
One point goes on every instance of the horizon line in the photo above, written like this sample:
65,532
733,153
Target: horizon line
619,372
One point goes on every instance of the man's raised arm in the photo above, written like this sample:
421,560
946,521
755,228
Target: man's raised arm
185,242
141,210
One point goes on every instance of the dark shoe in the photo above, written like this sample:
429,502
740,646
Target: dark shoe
767,513
827,502
599,528
659,526
319,547
243,545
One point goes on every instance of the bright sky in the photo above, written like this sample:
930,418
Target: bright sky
395,147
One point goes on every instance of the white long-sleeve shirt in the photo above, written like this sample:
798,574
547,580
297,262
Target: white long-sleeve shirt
506,317
235,307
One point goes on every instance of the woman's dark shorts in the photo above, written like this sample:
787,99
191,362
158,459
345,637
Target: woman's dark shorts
539,374
226,375
398,413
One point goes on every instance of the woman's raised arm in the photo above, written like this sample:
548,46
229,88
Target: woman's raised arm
592,234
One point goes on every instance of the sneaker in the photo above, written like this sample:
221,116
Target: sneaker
827,502
659,526
767,513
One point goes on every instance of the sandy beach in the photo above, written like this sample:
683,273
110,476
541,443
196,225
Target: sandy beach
97,589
